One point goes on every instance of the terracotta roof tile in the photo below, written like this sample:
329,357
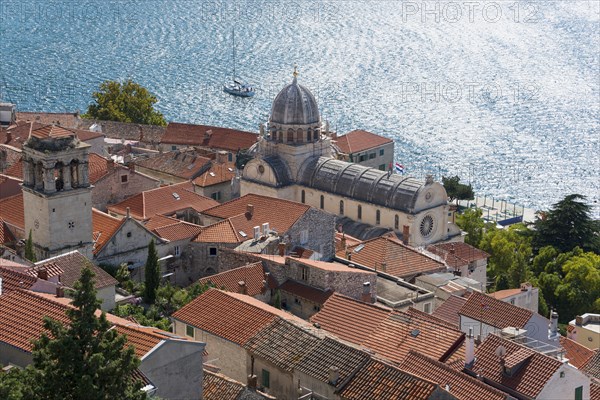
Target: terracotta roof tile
50,131
449,309
71,264
17,135
340,237
158,221
306,292
9,186
332,353
503,294
6,236
594,390
69,120
220,387
528,380
462,386
219,232
245,315
208,136
16,170
592,367
164,200
253,276
457,254
577,354
280,214
217,173
104,227
12,211
178,231
282,343
382,381
430,317
350,319
97,167
360,140
182,164
13,279
400,260
142,338
494,312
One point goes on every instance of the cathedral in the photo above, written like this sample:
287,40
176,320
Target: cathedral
294,159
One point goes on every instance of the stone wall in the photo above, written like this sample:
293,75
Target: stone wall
149,134
112,190
319,236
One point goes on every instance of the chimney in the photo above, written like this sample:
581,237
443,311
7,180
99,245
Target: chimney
128,212
252,381
366,293
334,375
242,287
281,248
469,349
60,291
42,273
553,325
8,136
110,164
579,320
208,134
452,249
405,234
221,157
265,228
343,242
256,232
250,210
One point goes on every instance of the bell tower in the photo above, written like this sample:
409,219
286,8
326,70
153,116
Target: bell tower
56,192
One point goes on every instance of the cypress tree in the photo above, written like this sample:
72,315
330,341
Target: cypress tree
29,253
152,274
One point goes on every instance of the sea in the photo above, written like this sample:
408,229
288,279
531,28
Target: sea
503,93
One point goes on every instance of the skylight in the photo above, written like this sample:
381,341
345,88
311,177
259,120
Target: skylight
176,196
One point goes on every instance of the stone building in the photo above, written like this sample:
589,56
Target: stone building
366,148
57,192
293,160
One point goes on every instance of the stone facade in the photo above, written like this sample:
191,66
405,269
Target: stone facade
149,134
120,183
373,158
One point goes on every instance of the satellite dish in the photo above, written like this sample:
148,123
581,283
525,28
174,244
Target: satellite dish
501,351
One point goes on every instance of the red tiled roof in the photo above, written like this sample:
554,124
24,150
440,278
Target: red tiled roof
400,260
71,264
218,173
85,135
457,254
182,164
164,200
15,170
359,140
350,319
12,211
158,221
529,379
245,315
13,279
220,387
306,292
340,237
577,354
252,275
461,385
9,186
592,367
594,390
17,134
6,236
382,381
97,167
220,232
178,231
104,227
494,312
430,317
50,131
142,338
69,120
280,214
208,136
449,309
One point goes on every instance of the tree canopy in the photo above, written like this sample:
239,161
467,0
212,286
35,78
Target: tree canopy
152,274
456,190
568,224
29,252
125,102
471,222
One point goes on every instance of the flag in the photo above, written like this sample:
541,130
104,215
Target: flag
399,168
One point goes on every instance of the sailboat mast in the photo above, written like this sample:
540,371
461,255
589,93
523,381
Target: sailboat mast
233,40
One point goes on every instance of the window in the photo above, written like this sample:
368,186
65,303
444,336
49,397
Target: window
372,156
173,147
266,378
579,393
189,331
382,167
290,136
362,157
377,217
297,301
303,197
212,251
341,207
124,178
396,222
427,308
316,308
128,234
229,157
381,153
177,250
304,273
216,195
359,215
322,202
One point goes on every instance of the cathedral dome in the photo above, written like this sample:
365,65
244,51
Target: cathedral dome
295,105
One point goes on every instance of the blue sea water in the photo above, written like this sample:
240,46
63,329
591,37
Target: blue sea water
505,94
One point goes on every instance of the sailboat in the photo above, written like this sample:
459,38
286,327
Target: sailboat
236,87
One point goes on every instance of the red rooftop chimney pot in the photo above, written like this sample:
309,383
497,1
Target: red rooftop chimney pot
405,234
42,273
60,291
250,209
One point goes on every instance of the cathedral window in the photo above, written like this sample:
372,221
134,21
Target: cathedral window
322,202
359,216
396,222
303,198
341,207
290,136
378,217
426,226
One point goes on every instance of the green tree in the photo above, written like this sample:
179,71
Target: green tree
125,102
86,359
508,248
457,190
152,274
277,299
567,225
17,384
471,222
29,253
